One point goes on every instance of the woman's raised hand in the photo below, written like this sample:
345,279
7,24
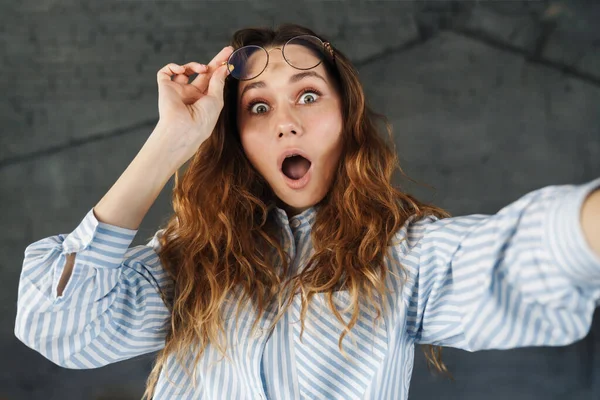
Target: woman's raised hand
188,112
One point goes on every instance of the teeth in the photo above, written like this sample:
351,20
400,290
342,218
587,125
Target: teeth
291,155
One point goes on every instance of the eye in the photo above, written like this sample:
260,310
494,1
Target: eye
258,107
309,96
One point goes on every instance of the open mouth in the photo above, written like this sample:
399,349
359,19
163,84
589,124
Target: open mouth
295,166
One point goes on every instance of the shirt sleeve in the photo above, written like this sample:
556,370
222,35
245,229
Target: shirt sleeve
111,308
525,276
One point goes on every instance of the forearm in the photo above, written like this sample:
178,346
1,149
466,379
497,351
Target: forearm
126,203
590,221
132,195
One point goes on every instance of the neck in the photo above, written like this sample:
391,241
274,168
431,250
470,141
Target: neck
289,210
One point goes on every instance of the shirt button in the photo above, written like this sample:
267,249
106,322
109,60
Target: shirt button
295,223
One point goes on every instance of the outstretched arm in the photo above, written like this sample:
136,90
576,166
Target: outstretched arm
590,220
528,275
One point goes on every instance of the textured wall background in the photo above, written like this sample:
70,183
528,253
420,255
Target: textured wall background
488,99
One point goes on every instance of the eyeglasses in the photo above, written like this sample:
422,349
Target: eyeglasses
301,52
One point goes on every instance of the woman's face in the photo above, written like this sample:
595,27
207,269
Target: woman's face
287,110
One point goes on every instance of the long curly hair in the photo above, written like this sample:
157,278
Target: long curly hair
218,239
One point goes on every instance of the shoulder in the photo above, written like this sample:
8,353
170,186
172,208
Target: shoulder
424,230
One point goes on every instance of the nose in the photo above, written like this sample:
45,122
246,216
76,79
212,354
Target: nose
287,130
287,123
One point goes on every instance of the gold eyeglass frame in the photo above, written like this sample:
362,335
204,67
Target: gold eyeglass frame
326,47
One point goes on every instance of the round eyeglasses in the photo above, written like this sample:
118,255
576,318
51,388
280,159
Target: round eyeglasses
301,52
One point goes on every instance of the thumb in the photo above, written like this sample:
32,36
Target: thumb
217,82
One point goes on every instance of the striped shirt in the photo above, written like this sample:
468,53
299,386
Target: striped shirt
524,276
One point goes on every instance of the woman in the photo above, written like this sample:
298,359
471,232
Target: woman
291,267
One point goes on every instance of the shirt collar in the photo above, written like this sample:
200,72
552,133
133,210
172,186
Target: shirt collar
306,217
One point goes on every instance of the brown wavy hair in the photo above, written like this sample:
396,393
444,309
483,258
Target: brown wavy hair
216,242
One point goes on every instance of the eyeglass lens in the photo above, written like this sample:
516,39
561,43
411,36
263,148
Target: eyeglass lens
301,52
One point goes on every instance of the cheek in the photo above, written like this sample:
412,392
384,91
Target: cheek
330,132
254,151
328,128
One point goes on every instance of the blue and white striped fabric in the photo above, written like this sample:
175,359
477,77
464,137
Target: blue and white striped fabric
522,277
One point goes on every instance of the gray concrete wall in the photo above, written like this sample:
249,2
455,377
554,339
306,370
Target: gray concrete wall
489,100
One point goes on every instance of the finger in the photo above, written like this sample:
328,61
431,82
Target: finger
191,69
166,72
182,79
202,81
217,83
222,56
194,68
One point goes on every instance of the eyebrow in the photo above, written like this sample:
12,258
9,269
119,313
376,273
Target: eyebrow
293,79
